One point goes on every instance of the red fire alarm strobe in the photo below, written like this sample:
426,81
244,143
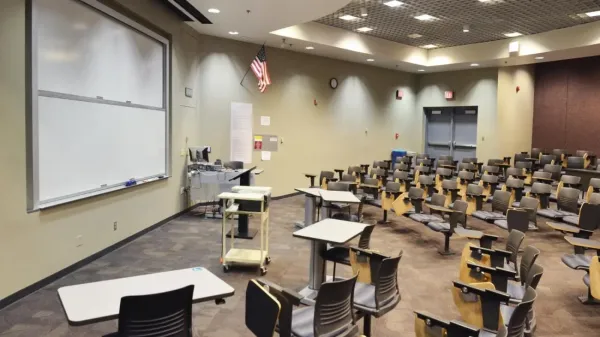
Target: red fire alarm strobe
449,95
399,94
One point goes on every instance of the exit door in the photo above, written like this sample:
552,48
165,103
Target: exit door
451,131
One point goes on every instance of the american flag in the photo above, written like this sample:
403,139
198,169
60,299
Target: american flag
259,68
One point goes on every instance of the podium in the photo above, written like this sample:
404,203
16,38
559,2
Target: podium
243,232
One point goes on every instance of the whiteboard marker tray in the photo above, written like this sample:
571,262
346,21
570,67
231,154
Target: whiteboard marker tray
246,256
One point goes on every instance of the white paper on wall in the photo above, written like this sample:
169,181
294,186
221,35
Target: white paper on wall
241,132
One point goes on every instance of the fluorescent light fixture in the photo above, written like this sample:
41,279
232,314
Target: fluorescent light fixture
364,29
421,70
425,17
474,64
370,60
539,58
415,36
466,29
348,17
310,47
515,34
393,3
429,46
363,11
214,10
233,33
592,14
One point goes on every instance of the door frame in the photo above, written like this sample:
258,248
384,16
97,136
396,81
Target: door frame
454,108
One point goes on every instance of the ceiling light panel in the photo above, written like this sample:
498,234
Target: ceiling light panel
393,3
425,17
429,46
593,14
514,34
364,29
348,17
488,21
415,36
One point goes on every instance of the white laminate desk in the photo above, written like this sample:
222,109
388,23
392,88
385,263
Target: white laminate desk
320,234
339,196
100,301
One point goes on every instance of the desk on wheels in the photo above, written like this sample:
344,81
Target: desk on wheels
320,234
100,301
310,209
259,257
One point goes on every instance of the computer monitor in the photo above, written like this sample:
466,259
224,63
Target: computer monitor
205,153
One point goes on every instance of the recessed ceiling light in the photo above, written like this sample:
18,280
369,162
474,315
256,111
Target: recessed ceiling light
370,60
425,17
421,70
393,3
429,46
515,34
233,33
364,29
592,14
474,64
310,47
363,11
539,58
415,36
348,17
466,29
214,10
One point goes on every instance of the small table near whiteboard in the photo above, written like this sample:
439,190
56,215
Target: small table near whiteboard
99,301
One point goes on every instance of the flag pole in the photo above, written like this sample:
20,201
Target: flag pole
247,71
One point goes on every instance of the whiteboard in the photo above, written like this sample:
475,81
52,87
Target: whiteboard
83,146
100,98
83,52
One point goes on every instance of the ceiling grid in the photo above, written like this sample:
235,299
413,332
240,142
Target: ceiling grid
487,21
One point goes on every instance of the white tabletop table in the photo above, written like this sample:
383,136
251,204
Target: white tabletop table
339,196
320,234
100,301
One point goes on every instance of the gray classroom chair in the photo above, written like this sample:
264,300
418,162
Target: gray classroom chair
500,205
490,169
331,315
575,162
547,159
515,219
341,254
381,297
567,204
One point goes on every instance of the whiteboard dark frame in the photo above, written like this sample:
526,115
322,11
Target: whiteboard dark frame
32,93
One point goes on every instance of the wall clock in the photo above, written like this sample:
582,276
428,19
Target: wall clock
333,83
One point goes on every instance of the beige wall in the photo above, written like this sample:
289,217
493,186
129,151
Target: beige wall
472,87
330,135
327,136
515,109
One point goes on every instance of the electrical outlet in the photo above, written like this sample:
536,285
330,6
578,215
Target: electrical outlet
115,226
181,190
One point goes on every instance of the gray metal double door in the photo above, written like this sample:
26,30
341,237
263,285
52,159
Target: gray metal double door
451,131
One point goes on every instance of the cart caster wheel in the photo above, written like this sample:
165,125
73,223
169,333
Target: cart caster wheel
268,260
226,269
263,271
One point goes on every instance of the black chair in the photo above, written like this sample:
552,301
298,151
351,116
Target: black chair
428,325
500,205
575,162
324,178
566,204
234,165
157,315
381,295
341,254
582,226
519,157
331,314
547,159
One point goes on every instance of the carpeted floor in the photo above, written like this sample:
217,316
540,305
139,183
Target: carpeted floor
425,276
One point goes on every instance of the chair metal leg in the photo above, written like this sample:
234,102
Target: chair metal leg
385,218
334,264
367,325
446,250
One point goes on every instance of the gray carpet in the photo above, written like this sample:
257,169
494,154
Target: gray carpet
425,277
